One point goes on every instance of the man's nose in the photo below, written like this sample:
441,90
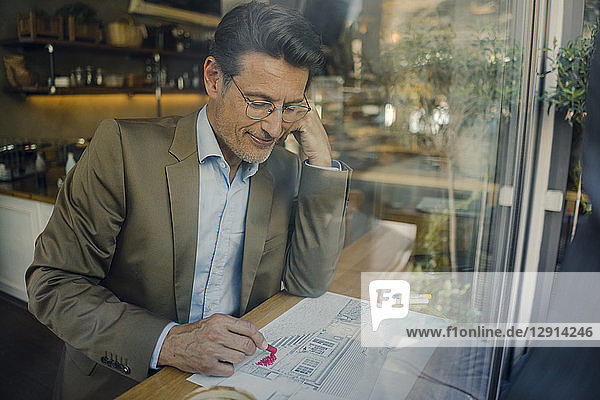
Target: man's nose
273,124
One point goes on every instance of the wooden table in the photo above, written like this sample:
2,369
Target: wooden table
384,249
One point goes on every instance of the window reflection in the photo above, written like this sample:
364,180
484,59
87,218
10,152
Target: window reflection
415,97
421,99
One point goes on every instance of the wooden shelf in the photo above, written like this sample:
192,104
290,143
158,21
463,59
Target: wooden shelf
67,44
99,90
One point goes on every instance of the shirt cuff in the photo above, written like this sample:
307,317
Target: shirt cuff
159,343
335,166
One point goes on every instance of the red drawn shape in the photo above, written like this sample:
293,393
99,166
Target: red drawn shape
268,360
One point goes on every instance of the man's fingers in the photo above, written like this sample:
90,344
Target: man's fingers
236,334
228,355
221,369
240,343
248,329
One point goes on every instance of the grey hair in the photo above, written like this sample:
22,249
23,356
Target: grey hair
270,29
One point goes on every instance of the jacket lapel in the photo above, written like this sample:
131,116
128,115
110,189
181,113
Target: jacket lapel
182,181
259,211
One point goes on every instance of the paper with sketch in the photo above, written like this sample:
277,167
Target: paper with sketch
319,356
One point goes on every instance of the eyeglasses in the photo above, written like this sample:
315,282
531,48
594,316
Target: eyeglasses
260,109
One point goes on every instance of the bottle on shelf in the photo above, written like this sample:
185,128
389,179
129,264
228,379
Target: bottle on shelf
40,171
89,75
40,163
4,173
196,76
99,77
70,162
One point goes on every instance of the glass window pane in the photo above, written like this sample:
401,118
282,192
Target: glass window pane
422,99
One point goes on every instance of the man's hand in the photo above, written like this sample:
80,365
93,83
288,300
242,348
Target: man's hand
310,133
211,346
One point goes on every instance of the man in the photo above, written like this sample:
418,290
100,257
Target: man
168,225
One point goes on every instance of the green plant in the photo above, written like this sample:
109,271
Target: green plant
571,64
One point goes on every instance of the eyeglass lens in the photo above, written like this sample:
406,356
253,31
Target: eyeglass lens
262,109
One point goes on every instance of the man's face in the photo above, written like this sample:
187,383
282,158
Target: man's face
262,78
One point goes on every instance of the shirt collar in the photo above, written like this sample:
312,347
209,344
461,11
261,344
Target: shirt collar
209,147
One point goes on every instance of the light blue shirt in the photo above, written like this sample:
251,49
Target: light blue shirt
221,229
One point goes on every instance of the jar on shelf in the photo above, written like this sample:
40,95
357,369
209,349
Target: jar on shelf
89,75
77,77
99,77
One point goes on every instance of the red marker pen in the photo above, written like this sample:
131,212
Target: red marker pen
270,359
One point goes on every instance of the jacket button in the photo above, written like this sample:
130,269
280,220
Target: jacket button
126,369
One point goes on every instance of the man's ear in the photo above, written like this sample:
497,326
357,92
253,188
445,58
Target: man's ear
213,77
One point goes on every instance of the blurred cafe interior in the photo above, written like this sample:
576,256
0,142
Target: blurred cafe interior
442,108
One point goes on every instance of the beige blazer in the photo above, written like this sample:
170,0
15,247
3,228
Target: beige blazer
116,262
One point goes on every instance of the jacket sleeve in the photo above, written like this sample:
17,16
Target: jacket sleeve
317,230
73,255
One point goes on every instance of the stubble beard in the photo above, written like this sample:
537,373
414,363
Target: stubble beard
235,144
244,151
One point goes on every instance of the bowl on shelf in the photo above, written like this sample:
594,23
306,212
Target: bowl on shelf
114,80
62,81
